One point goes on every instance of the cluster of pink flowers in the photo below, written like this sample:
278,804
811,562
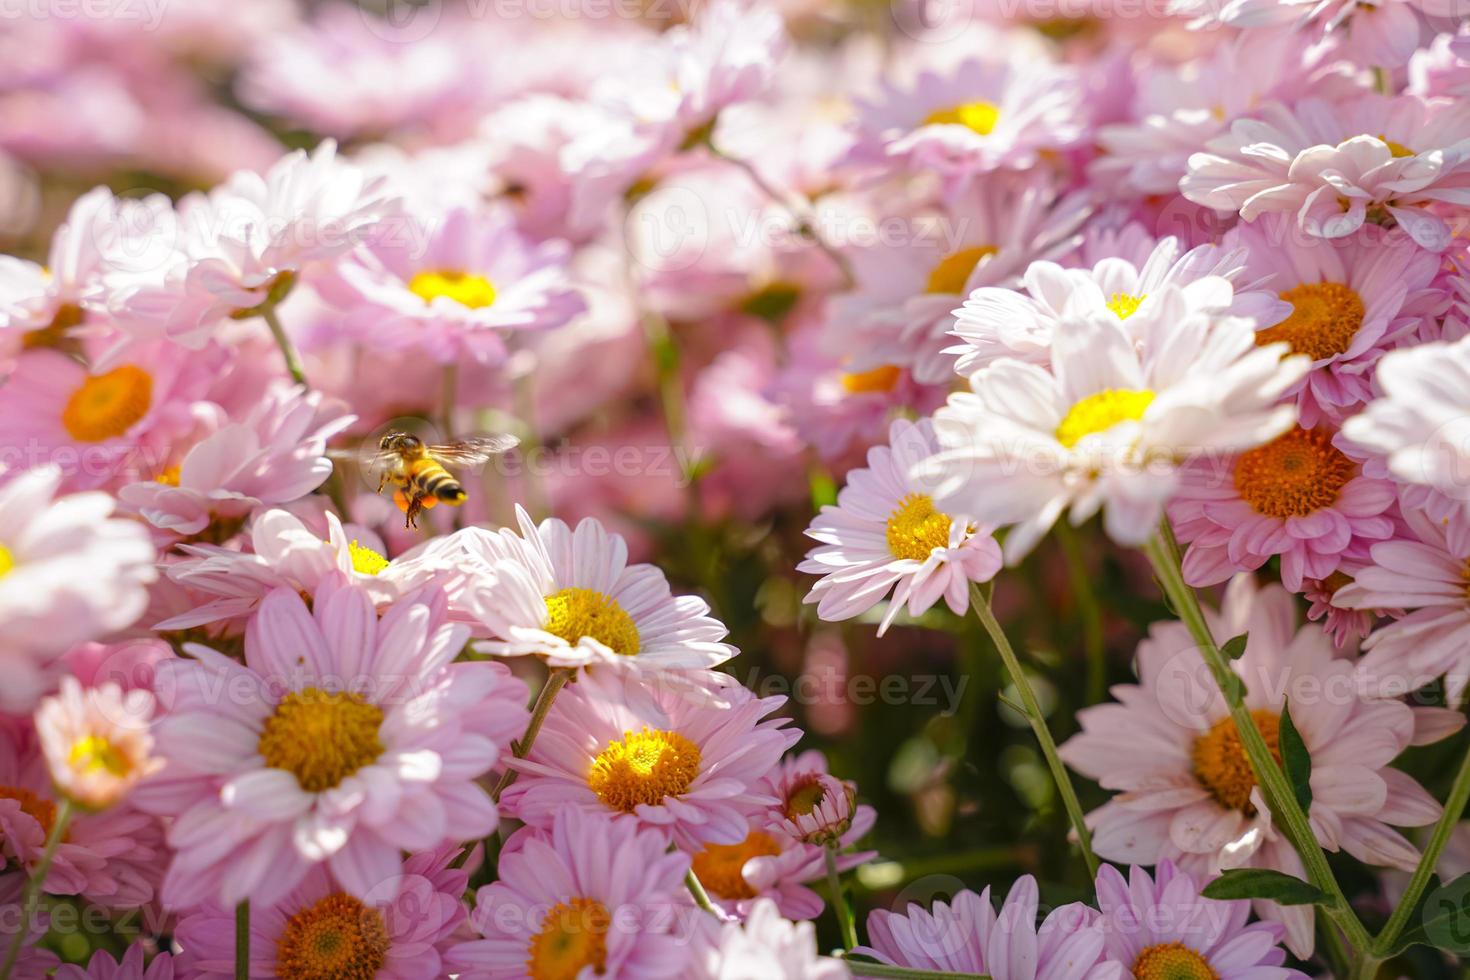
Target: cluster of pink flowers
932,291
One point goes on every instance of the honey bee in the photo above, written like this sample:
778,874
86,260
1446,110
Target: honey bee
418,471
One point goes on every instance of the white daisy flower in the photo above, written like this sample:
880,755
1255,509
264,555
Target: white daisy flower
885,535
570,596
1109,425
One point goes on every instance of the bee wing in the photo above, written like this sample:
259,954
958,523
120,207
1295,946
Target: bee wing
473,452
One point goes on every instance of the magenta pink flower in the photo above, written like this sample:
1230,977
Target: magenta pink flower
131,967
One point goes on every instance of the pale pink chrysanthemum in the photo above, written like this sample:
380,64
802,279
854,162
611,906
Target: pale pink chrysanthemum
1335,165
96,741
570,596
1379,34
113,859
458,294
1160,925
978,117
1419,426
903,309
1344,303
885,535
1346,625
765,945
586,895
1424,573
106,425
834,408
69,573
655,755
398,930
1019,320
346,738
273,456
968,935
285,553
1170,751
1299,497
102,966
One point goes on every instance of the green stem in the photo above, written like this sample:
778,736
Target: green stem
31,894
1454,807
242,940
1163,552
554,682
862,968
288,349
839,900
1037,719
701,897
1090,611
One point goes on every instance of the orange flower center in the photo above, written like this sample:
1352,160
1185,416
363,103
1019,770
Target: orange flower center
40,810
321,737
1325,317
643,768
107,405
1223,768
1172,961
1294,475
951,273
915,528
885,377
337,938
719,866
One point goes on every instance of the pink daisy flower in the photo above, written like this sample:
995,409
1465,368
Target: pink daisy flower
978,116
274,455
285,553
131,967
768,946
1335,165
968,935
1162,926
106,426
833,407
1344,303
773,865
1299,496
587,895
1383,34
885,535
347,737
96,741
1420,426
1185,792
1424,573
456,295
1019,320
570,596
902,311
1346,625
69,573
690,766
112,859
397,931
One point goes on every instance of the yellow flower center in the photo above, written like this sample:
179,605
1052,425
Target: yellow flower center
1125,305
365,561
574,613
40,810
321,737
475,292
884,377
108,405
644,767
953,271
91,753
7,561
1395,149
1172,961
1223,768
804,797
915,528
979,117
1325,317
337,938
719,866
169,476
573,937
1101,411
1294,474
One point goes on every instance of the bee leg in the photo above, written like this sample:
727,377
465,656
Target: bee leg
411,514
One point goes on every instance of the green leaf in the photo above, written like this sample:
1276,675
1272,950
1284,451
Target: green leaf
1295,759
1235,646
1264,883
1444,920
